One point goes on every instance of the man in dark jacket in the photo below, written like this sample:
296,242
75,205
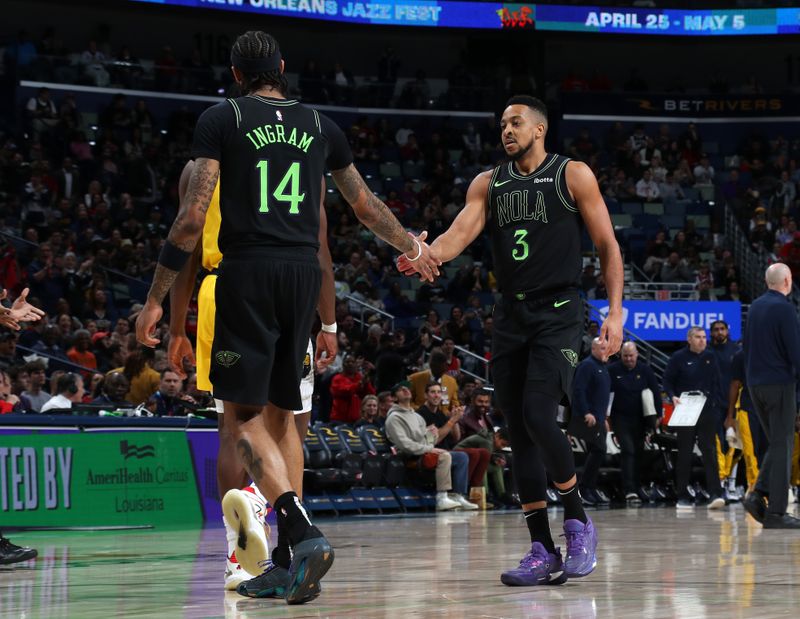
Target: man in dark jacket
591,389
695,368
629,378
772,363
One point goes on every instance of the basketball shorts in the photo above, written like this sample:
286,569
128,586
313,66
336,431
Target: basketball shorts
205,336
535,346
306,385
265,306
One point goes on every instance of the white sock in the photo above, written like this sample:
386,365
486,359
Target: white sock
441,495
230,535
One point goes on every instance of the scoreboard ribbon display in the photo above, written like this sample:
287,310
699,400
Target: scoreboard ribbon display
668,21
500,15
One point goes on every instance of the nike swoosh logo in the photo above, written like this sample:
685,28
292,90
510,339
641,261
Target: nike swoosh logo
498,184
560,303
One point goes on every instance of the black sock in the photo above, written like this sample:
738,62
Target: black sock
539,528
281,555
573,508
292,516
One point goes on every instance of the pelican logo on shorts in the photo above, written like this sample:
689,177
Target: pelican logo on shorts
227,358
306,365
570,356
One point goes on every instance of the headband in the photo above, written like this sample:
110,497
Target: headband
253,66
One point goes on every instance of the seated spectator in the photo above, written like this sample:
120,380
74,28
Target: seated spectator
8,350
9,402
347,389
115,386
341,84
143,379
69,391
170,400
203,399
647,188
457,327
80,354
704,172
453,362
36,395
385,402
41,112
432,323
670,189
446,424
408,432
732,293
477,417
785,232
435,373
449,433
704,276
369,412
93,61
649,153
676,270
658,170
495,472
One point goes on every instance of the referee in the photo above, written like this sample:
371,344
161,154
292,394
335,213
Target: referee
772,362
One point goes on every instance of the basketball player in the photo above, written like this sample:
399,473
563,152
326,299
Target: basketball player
230,473
270,154
534,206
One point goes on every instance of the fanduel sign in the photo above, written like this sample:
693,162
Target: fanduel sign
670,320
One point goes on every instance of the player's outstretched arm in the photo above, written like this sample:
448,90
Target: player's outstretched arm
181,242
376,216
326,341
583,186
465,227
180,294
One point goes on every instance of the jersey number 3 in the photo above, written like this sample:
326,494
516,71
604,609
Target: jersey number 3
290,179
521,252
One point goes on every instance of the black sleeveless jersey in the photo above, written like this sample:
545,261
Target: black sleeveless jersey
272,154
535,228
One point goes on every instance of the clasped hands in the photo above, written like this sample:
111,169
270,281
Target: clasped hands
427,262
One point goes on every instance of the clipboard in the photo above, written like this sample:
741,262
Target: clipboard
688,411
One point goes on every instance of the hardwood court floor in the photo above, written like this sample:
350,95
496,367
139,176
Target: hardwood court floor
652,563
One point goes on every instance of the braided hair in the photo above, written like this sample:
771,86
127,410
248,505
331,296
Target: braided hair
258,44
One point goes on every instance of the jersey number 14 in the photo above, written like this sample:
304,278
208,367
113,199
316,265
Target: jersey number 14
291,180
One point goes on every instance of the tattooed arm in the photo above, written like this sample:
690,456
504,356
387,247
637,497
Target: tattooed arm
376,216
188,225
185,233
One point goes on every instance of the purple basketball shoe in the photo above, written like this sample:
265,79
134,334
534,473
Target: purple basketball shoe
538,567
581,547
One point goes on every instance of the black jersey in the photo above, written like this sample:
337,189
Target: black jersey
535,228
273,154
